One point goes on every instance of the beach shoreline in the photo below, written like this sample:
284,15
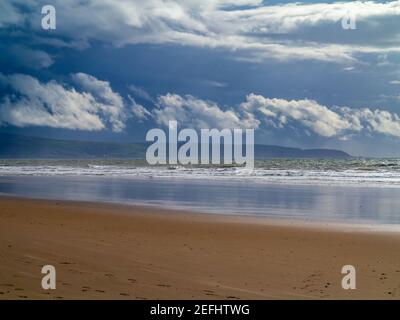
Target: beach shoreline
129,208
333,204
110,251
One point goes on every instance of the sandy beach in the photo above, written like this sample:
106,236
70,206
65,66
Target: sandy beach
104,251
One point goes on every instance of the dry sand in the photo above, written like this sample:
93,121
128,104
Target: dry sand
118,252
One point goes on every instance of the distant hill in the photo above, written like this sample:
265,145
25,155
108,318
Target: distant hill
18,147
24,147
267,151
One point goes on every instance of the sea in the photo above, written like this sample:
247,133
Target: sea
355,190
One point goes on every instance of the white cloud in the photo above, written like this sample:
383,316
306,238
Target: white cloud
276,114
111,103
254,29
215,84
26,57
93,105
320,119
197,113
34,103
139,112
334,122
140,92
378,121
9,14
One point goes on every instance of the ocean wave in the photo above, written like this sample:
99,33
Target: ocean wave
330,172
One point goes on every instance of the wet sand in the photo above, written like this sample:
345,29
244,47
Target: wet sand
103,251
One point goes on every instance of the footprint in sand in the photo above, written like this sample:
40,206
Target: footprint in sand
209,292
311,284
7,284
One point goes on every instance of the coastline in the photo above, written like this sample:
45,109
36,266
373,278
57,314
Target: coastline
108,251
126,208
333,204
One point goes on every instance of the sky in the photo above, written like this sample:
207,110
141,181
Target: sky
293,71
